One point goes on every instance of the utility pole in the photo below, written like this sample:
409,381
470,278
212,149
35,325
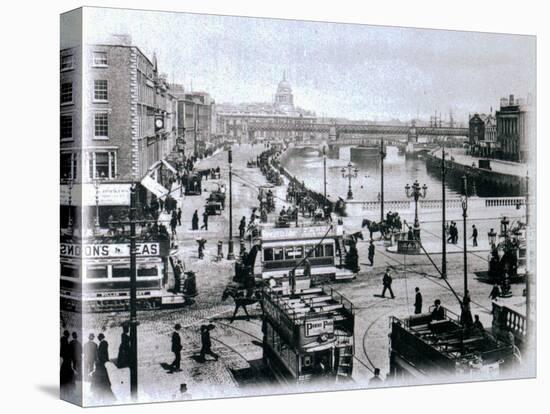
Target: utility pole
527,266
443,218
230,254
195,114
133,299
325,174
382,156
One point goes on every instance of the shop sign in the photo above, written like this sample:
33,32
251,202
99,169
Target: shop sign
96,251
88,195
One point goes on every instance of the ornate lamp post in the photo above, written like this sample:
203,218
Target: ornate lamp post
325,173
351,173
230,254
382,157
466,316
492,236
504,227
416,192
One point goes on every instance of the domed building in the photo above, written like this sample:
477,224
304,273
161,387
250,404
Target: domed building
284,100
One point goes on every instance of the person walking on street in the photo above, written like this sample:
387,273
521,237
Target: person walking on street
206,343
495,292
474,235
195,221
176,349
201,242
242,227
386,282
438,313
123,359
90,355
376,380
67,375
179,216
173,224
76,353
101,384
205,220
371,253
417,302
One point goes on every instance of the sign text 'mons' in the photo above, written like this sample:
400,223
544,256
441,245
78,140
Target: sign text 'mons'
94,251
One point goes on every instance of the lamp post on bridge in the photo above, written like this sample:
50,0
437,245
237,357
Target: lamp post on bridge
416,192
351,173
466,314
382,156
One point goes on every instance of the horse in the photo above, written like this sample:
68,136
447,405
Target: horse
374,227
242,298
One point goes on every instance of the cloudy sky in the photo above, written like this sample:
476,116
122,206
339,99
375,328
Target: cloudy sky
348,70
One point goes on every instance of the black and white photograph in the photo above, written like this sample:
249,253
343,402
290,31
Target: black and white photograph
255,206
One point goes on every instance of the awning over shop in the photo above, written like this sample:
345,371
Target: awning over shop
154,187
169,166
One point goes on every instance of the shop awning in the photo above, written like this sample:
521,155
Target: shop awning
154,187
169,166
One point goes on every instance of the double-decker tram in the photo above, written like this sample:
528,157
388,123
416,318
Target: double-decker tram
96,276
307,334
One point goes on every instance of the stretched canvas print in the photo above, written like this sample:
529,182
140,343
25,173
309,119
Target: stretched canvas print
255,206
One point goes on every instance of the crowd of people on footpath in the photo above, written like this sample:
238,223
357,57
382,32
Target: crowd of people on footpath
451,231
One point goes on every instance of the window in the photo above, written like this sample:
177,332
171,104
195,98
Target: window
100,90
101,125
319,251
278,253
102,164
67,62
268,255
147,270
96,272
66,92
100,59
329,250
121,271
70,270
68,166
66,127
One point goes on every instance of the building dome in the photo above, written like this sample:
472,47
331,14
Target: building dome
284,86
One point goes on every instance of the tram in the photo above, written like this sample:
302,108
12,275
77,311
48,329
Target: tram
96,276
284,249
308,335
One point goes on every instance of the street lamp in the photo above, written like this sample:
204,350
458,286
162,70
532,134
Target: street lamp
382,157
351,173
492,236
230,254
466,316
325,173
416,192
504,227
97,183
443,213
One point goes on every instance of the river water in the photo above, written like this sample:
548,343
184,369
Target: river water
398,171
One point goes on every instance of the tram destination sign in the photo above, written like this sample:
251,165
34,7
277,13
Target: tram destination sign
96,251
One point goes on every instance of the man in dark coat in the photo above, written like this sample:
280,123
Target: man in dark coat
179,216
438,313
90,355
205,220
206,343
417,302
195,221
76,354
371,253
123,359
474,235
102,350
176,349
101,384
495,292
201,242
67,378
386,282
242,227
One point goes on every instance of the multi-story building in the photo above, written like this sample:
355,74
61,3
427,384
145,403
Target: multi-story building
483,133
118,121
515,129
281,118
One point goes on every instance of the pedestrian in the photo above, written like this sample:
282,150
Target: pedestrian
206,343
376,380
195,221
474,235
123,359
67,377
455,233
450,232
90,355
242,227
101,384
201,242
386,282
176,349
102,350
478,326
438,313
76,354
417,301
307,268
371,253
173,224
495,292
205,220
179,216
